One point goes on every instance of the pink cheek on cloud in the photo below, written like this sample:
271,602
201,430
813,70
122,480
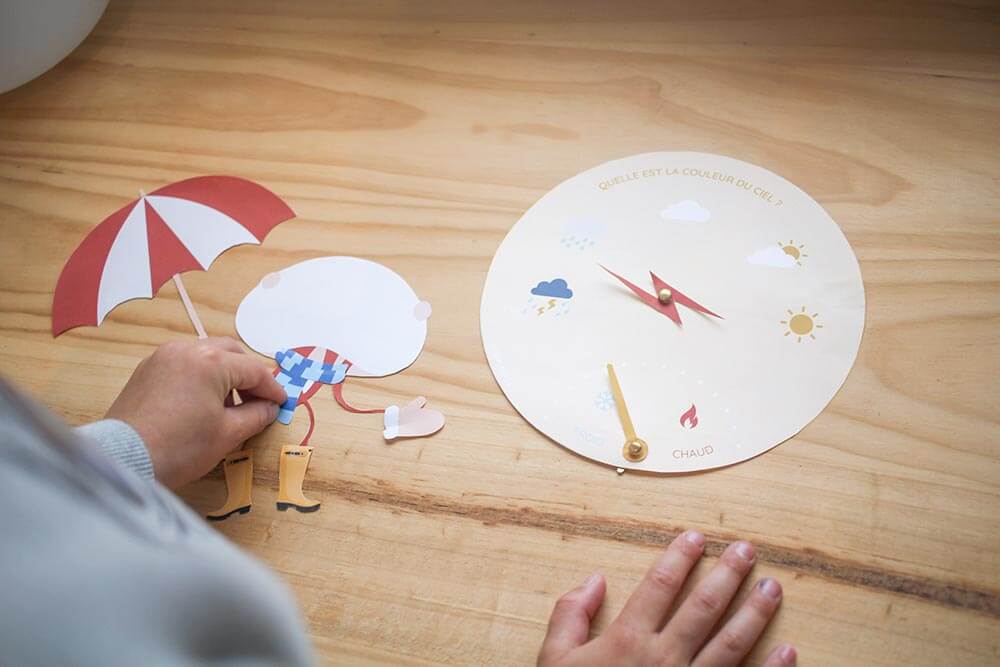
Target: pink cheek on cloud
270,281
422,311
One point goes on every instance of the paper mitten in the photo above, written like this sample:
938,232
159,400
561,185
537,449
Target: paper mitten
412,420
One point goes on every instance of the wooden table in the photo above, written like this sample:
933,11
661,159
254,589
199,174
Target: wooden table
416,134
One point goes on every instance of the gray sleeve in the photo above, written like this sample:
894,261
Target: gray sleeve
120,442
99,567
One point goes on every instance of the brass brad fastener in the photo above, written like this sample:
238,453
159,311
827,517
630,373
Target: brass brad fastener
635,450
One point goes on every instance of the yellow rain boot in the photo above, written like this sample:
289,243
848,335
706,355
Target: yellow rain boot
238,467
291,471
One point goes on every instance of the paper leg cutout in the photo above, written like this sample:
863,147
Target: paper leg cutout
312,423
291,471
238,467
412,420
338,394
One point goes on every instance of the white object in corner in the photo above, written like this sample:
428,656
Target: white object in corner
36,34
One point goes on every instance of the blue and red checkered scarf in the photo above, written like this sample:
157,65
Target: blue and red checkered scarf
296,372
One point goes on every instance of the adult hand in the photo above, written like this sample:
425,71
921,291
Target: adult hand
646,634
179,401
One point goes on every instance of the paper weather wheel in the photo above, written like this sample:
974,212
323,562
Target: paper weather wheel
729,302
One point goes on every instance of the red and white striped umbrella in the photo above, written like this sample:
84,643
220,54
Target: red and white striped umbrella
181,227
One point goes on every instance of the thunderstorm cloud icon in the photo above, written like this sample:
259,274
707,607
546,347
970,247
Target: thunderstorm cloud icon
555,288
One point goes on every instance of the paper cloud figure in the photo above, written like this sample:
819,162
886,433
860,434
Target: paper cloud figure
688,211
361,310
556,288
772,256
323,320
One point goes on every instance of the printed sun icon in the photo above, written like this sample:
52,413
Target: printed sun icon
801,324
793,251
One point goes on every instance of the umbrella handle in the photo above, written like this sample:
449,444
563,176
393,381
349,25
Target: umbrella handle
189,307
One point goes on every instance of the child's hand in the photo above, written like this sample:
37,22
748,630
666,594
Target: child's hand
178,400
645,633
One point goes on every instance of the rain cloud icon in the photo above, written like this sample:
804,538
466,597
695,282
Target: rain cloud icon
555,288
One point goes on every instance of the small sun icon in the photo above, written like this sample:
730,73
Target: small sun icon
793,251
801,324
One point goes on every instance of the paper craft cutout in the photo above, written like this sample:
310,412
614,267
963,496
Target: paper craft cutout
669,306
361,309
292,465
332,317
742,243
295,370
322,321
238,468
181,227
412,420
676,296
635,448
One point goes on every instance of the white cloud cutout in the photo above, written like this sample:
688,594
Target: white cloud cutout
772,256
688,211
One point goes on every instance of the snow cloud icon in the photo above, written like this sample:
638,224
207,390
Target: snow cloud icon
555,288
687,210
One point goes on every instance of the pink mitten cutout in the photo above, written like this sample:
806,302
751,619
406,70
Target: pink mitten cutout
412,420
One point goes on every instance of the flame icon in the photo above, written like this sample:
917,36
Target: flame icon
542,309
690,418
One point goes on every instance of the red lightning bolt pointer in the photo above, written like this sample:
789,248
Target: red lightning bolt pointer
668,309
680,298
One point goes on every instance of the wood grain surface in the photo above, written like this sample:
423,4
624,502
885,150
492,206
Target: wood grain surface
415,134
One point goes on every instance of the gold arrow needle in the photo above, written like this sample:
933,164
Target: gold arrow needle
635,448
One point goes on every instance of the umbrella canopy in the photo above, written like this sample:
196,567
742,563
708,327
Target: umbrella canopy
181,227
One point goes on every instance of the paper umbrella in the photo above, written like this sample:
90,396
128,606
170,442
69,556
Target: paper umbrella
181,227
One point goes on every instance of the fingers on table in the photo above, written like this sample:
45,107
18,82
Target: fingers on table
569,625
783,656
688,629
733,642
647,608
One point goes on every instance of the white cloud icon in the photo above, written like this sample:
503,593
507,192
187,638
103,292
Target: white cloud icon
772,256
688,210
